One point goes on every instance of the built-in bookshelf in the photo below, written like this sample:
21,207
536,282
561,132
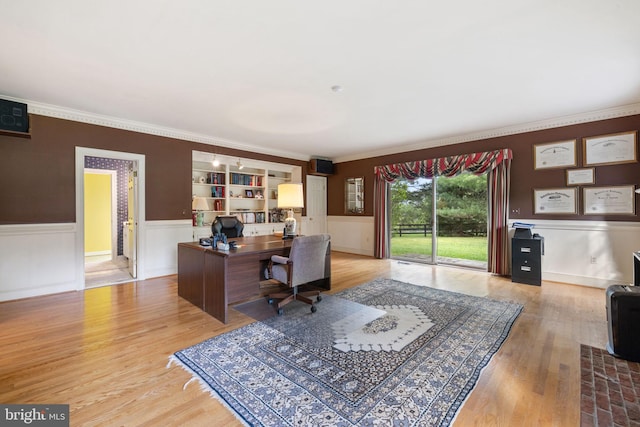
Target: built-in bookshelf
242,187
246,194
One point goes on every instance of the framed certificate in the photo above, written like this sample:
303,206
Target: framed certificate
555,155
555,201
610,149
581,176
609,200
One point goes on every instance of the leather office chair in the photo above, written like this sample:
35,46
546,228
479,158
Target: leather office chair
304,264
229,225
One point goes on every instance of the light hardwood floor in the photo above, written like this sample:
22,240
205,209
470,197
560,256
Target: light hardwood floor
104,351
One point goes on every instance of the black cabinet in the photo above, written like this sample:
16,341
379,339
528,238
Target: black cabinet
623,317
526,261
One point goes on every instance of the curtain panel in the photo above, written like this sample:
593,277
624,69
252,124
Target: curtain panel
496,164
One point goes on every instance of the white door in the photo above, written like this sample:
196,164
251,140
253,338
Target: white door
132,224
316,205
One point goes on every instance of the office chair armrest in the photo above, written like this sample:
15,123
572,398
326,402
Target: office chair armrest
279,259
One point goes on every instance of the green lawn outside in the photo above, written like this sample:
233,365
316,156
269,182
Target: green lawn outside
472,248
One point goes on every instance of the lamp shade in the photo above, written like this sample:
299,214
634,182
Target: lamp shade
290,196
199,204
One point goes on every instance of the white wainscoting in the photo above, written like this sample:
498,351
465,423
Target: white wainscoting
37,259
352,234
161,245
588,253
41,259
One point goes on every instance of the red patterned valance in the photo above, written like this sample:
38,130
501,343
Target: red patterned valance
476,163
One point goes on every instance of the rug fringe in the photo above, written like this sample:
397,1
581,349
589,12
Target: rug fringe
205,387
184,387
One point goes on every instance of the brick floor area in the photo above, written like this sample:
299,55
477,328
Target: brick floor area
609,389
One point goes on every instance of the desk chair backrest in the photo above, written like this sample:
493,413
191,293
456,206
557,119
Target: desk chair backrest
307,258
230,225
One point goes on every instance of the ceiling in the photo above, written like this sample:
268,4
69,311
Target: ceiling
258,75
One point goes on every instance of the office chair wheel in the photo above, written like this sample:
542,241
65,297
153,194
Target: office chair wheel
319,298
313,308
280,312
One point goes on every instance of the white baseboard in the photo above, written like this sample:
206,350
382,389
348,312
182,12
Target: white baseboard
97,253
590,282
351,250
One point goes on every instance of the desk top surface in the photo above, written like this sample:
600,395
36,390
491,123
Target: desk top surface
250,244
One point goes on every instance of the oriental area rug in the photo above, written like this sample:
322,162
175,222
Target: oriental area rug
382,353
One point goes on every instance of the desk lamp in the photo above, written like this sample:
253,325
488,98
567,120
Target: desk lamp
199,204
290,196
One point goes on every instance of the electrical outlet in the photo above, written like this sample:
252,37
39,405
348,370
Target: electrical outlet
593,260
515,210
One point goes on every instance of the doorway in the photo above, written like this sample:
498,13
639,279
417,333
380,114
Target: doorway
104,262
108,225
440,221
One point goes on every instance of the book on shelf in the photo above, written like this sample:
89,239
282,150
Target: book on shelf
217,191
215,178
244,179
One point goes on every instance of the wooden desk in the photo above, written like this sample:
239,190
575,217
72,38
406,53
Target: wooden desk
212,279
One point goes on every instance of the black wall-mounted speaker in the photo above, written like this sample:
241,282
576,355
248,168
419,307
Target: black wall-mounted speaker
321,167
13,116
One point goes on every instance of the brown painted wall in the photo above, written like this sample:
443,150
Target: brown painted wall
38,174
523,176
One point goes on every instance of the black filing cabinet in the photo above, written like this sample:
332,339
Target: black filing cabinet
526,261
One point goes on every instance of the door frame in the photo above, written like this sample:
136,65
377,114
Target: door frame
81,153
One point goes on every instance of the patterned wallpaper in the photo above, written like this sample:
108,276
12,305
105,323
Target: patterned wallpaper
122,168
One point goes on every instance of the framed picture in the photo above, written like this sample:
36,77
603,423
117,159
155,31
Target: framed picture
610,149
248,193
555,155
609,200
581,176
555,201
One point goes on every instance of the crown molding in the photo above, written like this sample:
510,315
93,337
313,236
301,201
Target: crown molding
64,113
593,116
49,110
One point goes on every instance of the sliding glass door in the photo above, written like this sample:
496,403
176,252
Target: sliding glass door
412,220
461,213
443,216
